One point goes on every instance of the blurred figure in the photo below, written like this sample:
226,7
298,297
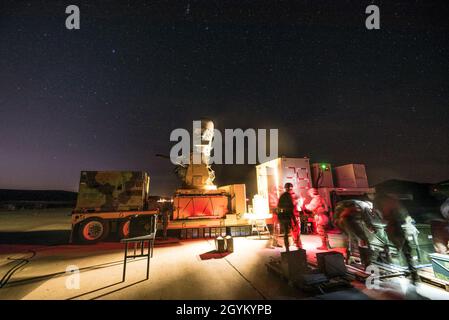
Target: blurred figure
445,209
396,215
296,223
288,216
319,208
352,217
440,227
273,202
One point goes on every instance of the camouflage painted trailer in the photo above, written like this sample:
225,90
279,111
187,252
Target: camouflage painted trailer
105,191
106,201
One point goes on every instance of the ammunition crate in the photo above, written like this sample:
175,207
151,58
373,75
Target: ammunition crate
424,237
420,254
425,234
440,265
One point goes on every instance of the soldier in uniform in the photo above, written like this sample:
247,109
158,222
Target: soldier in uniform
288,216
273,201
353,218
396,215
166,210
318,207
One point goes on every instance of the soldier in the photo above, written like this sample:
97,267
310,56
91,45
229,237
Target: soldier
353,218
273,201
396,215
288,216
319,209
166,210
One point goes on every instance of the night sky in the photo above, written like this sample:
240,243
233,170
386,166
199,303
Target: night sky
107,96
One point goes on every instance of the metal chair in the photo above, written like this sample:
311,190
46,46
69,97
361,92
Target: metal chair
142,229
259,226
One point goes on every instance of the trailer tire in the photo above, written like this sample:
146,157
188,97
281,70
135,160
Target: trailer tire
93,230
123,229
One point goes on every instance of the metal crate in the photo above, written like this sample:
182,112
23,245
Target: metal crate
440,265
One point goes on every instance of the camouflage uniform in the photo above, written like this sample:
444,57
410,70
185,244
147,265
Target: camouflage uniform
273,201
352,217
319,208
288,219
166,211
396,215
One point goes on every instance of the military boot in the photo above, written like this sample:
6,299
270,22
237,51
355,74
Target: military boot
324,243
299,243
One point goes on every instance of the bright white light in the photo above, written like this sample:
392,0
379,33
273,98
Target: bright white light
260,205
257,216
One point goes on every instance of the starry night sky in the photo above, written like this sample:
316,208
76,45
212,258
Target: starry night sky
107,96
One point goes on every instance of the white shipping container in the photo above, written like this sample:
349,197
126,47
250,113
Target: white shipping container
273,175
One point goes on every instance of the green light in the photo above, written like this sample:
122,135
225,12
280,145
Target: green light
323,166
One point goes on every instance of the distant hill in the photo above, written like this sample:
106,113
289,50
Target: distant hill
8,195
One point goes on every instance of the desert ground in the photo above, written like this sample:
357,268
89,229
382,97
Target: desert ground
36,262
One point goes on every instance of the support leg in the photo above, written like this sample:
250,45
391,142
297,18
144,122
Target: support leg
286,235
149,254
124,261
152,247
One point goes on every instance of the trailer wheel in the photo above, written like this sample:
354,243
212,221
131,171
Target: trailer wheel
93,230
123,229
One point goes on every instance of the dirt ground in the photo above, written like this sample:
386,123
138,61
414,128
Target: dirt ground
36,262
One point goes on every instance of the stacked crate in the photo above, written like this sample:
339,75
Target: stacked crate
421,247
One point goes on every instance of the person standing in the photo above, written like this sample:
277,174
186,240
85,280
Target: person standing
273,202
319,209
287,218
398,221
166,211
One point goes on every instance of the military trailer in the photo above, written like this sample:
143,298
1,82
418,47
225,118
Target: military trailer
106,201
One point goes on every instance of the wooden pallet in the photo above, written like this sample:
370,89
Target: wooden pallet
275,267
426,275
